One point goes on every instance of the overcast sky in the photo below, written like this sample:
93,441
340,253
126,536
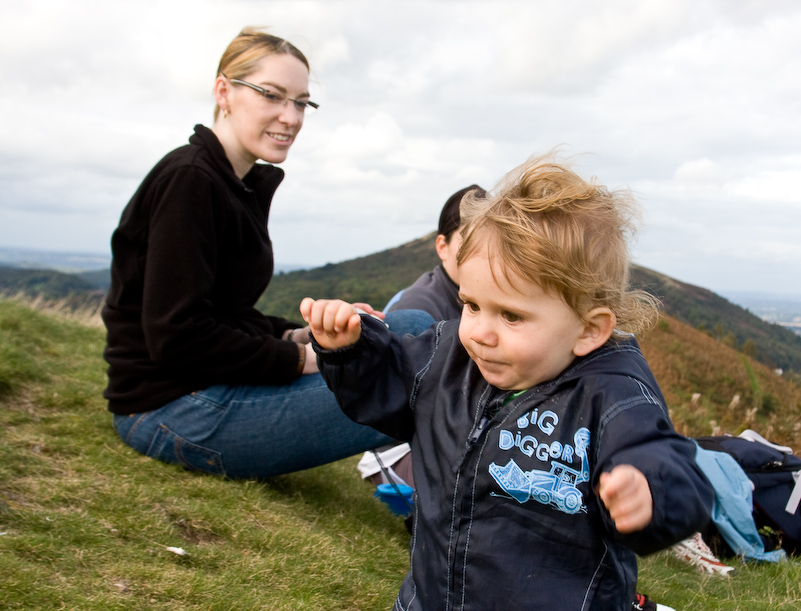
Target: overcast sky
695,105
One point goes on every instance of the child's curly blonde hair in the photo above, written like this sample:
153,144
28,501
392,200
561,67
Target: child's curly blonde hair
568,235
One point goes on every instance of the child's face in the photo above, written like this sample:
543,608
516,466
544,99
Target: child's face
517,334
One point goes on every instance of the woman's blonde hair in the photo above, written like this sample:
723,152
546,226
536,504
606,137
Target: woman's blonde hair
568,235
246,51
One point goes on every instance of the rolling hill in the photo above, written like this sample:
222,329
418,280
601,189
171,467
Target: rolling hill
373,279
771,344
376,278
71,289
87,523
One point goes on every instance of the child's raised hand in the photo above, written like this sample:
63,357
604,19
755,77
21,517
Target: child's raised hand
334,323
627,496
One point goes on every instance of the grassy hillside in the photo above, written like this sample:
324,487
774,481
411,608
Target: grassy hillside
712,388
86,523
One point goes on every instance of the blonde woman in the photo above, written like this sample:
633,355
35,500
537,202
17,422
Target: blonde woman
198,376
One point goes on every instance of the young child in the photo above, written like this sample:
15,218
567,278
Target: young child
543,454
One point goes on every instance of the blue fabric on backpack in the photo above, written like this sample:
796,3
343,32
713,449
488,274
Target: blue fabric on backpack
733,506
775,473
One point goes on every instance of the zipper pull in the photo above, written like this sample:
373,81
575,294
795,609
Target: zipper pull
478,430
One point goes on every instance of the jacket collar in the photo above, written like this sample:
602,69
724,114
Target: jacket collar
441,269
263,179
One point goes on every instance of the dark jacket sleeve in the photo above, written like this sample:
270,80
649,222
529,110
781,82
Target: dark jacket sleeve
373,380
183,324
640,434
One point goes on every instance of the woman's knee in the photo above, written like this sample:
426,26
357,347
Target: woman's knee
413,322
169,447
154,435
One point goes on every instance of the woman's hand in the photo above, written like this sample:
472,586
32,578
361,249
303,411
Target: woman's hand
310,364
299,336
334,323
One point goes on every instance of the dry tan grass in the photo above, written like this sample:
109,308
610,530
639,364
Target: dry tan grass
713,389
82,312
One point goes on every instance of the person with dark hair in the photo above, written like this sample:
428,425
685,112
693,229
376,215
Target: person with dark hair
437,291
197,375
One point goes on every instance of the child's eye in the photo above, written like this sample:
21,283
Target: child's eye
511,317
470,306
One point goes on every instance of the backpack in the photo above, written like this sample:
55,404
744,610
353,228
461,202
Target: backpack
775,474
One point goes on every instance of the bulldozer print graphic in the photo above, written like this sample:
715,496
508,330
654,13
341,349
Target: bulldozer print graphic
557,487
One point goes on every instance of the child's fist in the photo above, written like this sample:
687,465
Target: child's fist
627,496
334,323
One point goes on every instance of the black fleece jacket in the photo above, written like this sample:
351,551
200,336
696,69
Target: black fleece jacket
191,256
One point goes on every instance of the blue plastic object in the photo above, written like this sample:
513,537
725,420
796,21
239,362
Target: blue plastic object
399,504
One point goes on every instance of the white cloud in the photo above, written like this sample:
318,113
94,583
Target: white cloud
693,104
699,172
775,182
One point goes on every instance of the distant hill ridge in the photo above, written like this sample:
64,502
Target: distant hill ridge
707,311
372,279
68,262
50,285
376,278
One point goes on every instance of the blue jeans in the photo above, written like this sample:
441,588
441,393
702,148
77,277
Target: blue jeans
257,431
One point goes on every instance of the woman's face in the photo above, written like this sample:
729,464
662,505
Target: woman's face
448,251
263,128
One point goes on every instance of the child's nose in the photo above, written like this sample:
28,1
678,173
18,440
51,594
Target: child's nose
482,331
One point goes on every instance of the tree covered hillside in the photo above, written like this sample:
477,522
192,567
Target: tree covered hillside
374,279
771,344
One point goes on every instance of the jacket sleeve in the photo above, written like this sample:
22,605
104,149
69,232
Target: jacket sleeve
183,324
373,379
641,434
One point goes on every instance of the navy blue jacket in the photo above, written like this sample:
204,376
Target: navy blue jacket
505,511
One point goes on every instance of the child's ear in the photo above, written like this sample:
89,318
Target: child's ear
598,327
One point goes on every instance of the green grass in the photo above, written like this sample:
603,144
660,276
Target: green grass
754,587
86,521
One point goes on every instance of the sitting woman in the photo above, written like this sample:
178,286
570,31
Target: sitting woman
198,376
